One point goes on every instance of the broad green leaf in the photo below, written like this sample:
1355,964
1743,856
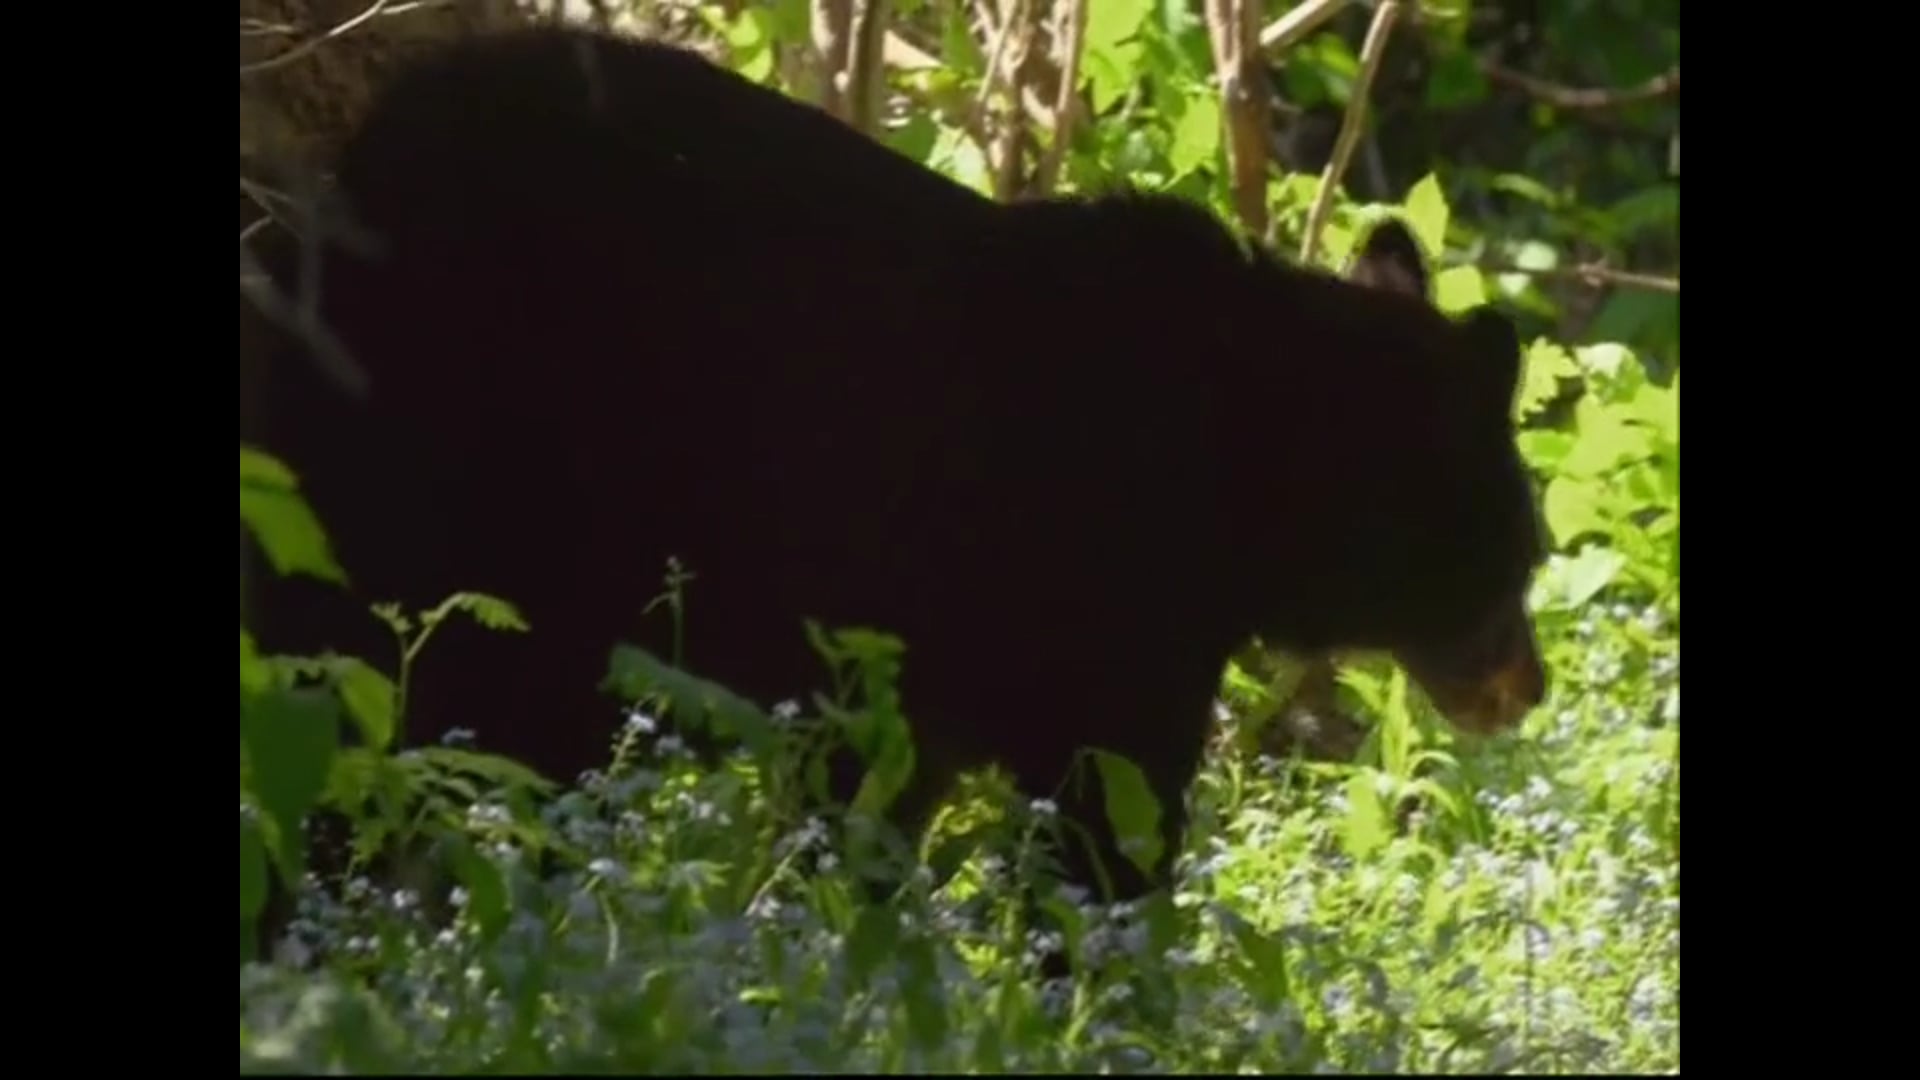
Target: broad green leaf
370,698
959,157
1459,288
749,38
1659,408
1427,215
1573,508
289,737
1132,809
255,675
1196,133
281,520
882,738
1544,450
1604,439
262,468
1111,22
1546,364
789,21
1108,73
1365,829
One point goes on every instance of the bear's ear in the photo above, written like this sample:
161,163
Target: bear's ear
1391,260
1493,352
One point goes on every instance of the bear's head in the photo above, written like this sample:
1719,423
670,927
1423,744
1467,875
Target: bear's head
1424,530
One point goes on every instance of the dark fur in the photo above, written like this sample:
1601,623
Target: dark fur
1073,452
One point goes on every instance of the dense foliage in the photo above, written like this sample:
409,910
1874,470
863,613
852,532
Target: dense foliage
1433,904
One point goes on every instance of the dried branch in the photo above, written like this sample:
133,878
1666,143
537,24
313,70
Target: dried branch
1574,97
1009,71
1070,38
832,23
308,46
866,73
906,56
1370,54
1591,274
1233,26
1298,23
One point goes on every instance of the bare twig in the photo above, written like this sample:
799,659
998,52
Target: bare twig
1370,54
1073,27
832,23
1298,23
866,73
1233,27
296,317
1591,274
1001,31
1574,97
308,46
1009,70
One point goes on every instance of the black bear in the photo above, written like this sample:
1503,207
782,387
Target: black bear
618,304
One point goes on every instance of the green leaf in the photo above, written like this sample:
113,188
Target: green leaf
289,737
1544,449
489,611
1459,288
1605,439
1111,22
263,469
959,157
749,39
1546,364
1365,829
1427,214
1658,407
494,770
1196,133
281,520
1132,809
634,673
370,697
1108,73
255,674
1573,508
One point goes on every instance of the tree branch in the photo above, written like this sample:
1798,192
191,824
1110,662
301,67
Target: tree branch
1574,97
1370,54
